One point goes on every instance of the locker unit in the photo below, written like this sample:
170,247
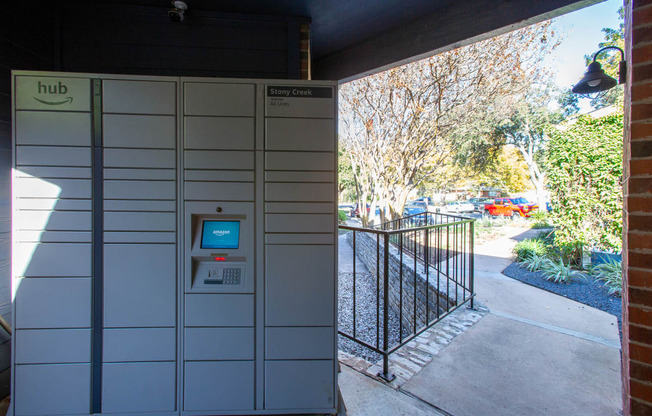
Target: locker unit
174,246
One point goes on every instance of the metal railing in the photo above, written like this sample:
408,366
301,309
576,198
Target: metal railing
407,274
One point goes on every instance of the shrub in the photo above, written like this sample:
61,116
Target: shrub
568,252
548,237
533,262
484,223
557,271
611,273
341,215
524,249
540,219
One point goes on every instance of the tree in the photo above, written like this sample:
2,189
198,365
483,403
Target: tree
477,145
508,172
568,103
585,180
448,178
610,61
400,126
526,130
345,179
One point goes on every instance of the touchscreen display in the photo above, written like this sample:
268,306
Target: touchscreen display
220,234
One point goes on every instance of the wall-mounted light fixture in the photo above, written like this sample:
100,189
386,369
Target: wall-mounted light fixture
595,80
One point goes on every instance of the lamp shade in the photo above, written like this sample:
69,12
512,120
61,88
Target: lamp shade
594,80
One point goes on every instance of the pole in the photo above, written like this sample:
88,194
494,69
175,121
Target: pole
386,375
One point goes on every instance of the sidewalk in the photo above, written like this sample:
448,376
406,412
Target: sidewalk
534,353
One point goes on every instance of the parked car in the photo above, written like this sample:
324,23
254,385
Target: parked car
349,209
459,207
510,207
412,208
415,207
479,203
356,212
417,203
413,211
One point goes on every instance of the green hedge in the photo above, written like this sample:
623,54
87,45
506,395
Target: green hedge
584,166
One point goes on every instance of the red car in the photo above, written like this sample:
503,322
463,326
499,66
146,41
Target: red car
356,212
510,207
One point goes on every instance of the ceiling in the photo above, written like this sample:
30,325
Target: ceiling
351,38
336,24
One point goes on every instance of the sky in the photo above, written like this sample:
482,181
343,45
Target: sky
581,33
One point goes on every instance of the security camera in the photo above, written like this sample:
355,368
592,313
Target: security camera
176,13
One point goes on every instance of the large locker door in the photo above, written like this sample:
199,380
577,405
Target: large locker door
299,285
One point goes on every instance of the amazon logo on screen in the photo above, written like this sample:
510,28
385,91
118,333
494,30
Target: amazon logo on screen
52,94
221,233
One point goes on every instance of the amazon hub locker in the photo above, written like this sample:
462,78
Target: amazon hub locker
174,245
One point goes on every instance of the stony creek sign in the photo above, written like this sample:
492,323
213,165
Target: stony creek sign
292,101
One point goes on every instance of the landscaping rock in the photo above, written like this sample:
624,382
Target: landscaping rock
586,290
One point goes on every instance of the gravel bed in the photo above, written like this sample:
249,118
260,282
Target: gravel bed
588,291
366,322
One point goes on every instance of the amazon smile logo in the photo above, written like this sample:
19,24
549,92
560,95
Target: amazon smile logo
57,90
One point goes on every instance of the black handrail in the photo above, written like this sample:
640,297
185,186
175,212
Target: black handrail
427,273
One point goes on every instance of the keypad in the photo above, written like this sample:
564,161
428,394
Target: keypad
224,276
231,276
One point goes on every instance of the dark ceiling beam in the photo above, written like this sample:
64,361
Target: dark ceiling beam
461,23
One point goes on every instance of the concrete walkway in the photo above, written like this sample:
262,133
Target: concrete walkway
364,396
535,353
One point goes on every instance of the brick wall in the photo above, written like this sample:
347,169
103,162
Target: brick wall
637,250
305,52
